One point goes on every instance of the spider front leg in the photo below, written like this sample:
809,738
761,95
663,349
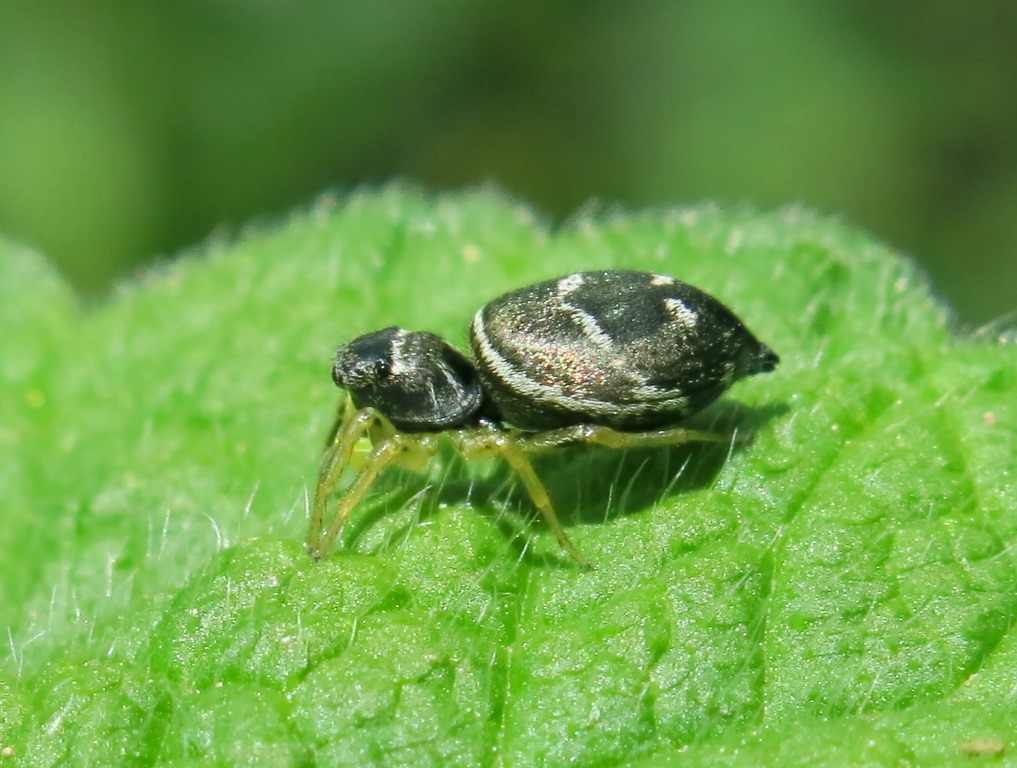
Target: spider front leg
389,446
349,427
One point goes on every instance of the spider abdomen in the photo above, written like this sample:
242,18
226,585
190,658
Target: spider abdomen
629,350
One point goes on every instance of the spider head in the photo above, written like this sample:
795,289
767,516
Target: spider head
417,380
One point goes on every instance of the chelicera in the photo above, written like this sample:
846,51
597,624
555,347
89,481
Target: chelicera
612,358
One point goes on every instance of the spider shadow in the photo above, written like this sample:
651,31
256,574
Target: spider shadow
587,484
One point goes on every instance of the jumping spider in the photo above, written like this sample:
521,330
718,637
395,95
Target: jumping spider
614,358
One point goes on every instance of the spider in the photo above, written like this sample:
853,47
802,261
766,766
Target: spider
613,358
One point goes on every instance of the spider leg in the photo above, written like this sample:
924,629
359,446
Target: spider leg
504,445
383,455
341,415
346,432
538,442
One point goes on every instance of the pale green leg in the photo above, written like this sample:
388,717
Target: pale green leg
472,443
539,442
346,433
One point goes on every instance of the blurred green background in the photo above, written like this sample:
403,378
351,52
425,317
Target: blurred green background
129,131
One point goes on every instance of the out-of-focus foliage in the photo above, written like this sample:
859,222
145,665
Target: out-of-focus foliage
132,130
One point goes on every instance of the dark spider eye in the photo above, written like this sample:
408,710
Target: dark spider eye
375,370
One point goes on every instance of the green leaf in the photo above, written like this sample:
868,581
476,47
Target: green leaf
839,590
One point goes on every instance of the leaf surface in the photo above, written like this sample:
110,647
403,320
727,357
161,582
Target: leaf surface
840,589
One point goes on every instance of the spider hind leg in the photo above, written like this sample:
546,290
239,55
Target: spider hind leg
596,434
514,446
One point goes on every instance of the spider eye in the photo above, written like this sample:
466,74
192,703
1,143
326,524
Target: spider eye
382,369
371,370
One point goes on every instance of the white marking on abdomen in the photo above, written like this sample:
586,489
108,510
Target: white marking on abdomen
568,284
680,311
